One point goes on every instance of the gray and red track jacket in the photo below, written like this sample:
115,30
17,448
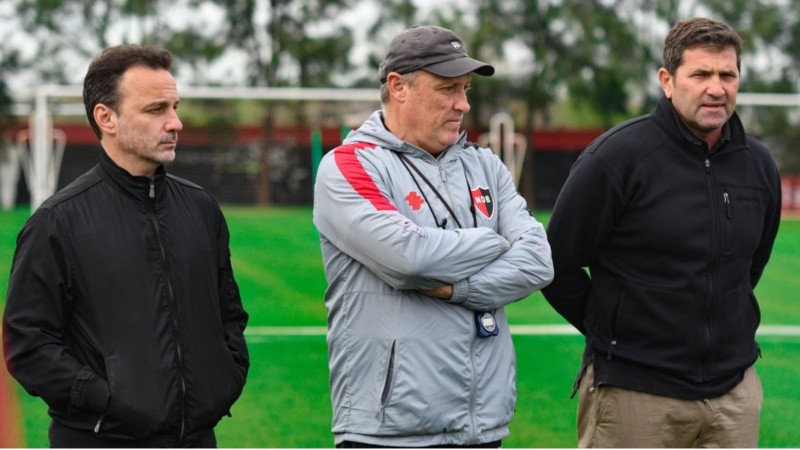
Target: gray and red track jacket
406,369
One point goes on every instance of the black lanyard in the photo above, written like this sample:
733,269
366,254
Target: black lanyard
409,166
485,322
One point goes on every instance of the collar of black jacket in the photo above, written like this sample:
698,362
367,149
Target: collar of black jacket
138,187
732,132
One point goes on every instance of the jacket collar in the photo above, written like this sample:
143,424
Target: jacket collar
374,131
136,186
733,134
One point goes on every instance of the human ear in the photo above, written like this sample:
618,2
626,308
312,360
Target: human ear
666,81
397,86
105,118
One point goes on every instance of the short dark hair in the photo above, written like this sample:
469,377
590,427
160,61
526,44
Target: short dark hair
101,84
699,32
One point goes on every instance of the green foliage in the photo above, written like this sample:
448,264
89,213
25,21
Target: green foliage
597,54
289,38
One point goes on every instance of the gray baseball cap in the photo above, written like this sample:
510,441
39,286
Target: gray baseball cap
435,49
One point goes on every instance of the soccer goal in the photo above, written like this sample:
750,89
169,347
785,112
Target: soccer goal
237,142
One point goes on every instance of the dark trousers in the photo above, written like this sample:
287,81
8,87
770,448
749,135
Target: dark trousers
62,436
351,444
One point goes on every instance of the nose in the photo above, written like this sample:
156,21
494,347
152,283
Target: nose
174,122
462,103
715,87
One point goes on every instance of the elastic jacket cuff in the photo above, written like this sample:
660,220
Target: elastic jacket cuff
460,292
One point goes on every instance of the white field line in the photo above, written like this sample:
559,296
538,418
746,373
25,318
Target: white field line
518,330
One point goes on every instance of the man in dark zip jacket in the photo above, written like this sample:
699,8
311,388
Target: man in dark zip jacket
122,311
674,214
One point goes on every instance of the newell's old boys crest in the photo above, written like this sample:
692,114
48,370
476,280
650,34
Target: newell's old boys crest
483,201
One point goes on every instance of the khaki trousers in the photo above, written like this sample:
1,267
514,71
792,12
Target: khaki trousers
610,416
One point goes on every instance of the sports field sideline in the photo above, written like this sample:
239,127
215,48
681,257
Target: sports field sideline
286,402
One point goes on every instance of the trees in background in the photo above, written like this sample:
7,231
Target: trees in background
291,43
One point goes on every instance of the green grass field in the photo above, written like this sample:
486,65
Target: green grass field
286,404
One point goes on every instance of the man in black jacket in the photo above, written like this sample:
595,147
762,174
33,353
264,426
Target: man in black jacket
674,214
122,310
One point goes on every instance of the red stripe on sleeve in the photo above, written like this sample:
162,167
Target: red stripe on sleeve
354,173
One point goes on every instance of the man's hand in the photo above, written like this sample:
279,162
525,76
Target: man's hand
443,292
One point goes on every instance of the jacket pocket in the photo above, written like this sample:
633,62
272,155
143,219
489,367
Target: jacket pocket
216,382
735,320
743,211
659,328
85,346
615,323
138,406
388,378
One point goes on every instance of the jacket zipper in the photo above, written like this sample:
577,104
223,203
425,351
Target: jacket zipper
715,249
175,324
614,324
473,394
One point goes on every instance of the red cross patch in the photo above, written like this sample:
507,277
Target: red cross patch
414,201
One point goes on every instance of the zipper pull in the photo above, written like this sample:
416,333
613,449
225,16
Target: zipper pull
611,348
727,200
708,166
99,421
152,189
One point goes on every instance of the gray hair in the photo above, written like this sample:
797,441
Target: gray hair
409,78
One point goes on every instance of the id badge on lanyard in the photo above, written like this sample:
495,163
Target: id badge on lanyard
486,324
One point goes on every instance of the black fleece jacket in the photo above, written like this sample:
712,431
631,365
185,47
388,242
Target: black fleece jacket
675,237
122,310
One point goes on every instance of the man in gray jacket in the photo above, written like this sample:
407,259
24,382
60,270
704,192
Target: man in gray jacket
424,240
